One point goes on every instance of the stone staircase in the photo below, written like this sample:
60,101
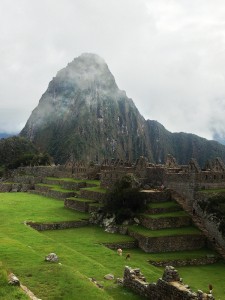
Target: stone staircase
166,227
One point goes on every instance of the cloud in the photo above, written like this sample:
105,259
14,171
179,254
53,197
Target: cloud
167,55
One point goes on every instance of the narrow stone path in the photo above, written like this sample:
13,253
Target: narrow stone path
199,222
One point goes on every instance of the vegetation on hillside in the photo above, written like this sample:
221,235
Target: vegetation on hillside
17,151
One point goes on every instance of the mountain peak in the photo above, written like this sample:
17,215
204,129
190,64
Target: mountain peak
86,71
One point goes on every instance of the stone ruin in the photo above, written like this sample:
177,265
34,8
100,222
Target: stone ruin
169,287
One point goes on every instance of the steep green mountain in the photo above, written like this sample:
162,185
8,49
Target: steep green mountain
17,151
83,115
183,146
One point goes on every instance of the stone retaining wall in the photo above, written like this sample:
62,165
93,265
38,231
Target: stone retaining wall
74,204
15,187
47,191
169,222
68,185
92,195
121,245
186,262
57,225
169,243
162,210
5,187
169,287
157,196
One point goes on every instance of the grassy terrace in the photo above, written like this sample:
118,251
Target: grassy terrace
80,199
22,250
81,254
167,215
95,189
55,187
164,232
182,255
211,191
168,204
8,292
97,182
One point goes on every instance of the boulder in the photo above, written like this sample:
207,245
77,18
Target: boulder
109,277
13,280
52,257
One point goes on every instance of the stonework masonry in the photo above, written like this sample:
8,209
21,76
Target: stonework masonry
169,243
169,287
57,225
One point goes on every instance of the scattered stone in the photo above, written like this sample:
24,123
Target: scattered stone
136,220
119,281
111,229
98,284
52,257
109,277
13,280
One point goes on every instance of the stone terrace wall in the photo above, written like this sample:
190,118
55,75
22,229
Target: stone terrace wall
182,183
186,262
169,243
43,171
57,225
92,195
74,204
169,222
121,245
169,287
157,196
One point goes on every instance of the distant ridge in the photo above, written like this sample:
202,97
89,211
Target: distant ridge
83,115
5,135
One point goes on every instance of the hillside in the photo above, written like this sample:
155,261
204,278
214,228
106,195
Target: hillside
84,115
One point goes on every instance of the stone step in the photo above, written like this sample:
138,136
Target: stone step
158,208
93,195
156,196
78,204
189,238
52,192
169,220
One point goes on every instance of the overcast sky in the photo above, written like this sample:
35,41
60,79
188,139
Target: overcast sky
168,55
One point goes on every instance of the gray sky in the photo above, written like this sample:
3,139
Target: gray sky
168,55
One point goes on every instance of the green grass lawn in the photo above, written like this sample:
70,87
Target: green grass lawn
168,204
164,232
202,276
80,251
8,292
55,187
22,250
97,182
81,199
167,215
95,189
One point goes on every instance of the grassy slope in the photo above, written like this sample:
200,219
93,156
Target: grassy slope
164,232
23,249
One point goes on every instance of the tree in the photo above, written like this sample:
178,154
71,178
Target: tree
124,200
